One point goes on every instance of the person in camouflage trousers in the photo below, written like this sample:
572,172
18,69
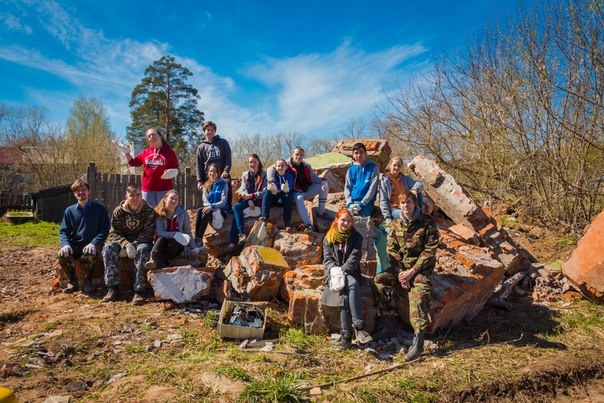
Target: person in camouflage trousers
83,231
132,229
412,245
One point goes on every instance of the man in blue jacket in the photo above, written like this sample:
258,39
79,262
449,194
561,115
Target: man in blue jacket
83,231
360,188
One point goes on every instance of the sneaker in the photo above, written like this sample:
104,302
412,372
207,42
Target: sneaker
289,229
231,246
263,219
112,295
71,288
309,228
242,238
138,299
362,336
150,265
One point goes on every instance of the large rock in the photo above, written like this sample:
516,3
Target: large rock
584,269
300,248
181,284
302,278
451,198
257,273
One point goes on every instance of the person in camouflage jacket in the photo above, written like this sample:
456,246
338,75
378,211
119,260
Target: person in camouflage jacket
412,245
132,229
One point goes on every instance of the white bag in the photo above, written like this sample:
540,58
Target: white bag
336,279
217,219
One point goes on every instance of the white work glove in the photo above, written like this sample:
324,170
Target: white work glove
89,249
130,250
65,251
272,188
354,209
324,186
123,148
182,239
285,187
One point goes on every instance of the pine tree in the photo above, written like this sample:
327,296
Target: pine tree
165,99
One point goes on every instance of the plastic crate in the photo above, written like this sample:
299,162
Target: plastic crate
229,331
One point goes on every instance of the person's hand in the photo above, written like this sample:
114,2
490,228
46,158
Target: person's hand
272,188
65,251
206,210
224,175
123,148
251,204
89,249
248,197
200,186
130,250
354,208
404,277
285,187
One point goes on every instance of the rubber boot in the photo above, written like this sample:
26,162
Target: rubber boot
416,348
72,283
88,288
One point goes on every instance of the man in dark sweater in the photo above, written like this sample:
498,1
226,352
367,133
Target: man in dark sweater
213,149
83,231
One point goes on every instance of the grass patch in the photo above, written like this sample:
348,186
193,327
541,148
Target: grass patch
164,375
279,389
297,338
210,319
134,349
41,233
588,320
234,373
567,240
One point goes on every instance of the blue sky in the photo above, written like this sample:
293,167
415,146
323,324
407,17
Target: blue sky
260,66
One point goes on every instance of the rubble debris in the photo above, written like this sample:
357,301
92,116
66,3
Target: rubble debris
451,198
182,284
584,269
257,273
300,248
377,150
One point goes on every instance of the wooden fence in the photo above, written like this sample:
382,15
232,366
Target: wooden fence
110,189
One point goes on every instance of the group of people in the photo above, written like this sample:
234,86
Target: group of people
150,226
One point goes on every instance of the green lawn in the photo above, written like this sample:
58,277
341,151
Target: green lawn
40,233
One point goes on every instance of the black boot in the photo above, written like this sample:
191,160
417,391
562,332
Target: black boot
346,340
416,348
72,283
88,288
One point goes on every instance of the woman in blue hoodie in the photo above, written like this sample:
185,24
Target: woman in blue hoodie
172,230
215,196
279,190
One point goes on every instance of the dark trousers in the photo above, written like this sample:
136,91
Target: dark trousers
202,220
164,249
286,199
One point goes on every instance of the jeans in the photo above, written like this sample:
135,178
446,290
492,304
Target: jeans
238,223
153,198
321,189
111,253
350,315
270,199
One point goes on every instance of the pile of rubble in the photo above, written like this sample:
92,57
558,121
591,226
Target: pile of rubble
477,260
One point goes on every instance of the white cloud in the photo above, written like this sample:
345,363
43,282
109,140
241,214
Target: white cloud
324,90
13,23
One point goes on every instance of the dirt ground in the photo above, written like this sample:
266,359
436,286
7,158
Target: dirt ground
53,344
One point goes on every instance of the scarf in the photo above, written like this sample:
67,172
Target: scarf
335,236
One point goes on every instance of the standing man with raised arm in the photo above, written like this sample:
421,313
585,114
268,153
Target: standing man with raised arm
83,231
213,149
